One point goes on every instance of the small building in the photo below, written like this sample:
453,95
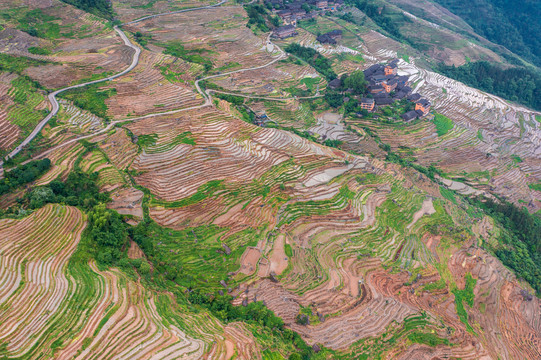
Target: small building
299,13
335,84
377,79
389,85
284,14
414,97
376,89
420,114
376,69
410,115
423,105
403,80
284,32
322,4
367,104
391,69
402,93
383,101
330,38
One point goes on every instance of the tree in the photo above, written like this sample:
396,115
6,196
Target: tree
357,82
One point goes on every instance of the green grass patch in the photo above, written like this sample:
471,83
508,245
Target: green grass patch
448,194
429,339
465,296
480,134
536,187
204,191
38,51
175,48
516,159
17,64
90,98
443,124
288,250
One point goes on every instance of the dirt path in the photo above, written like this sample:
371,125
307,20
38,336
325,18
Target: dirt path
426,209
134,63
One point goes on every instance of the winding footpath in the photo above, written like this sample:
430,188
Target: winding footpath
135,61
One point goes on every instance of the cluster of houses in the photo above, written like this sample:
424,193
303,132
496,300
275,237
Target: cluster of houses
291,12
387,87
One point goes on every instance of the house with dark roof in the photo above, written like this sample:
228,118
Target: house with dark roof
284,32
402,93
373,70
389,85
330,38
391,69
410,115
414,97
367,103
322,4
403,80
376,89
335,84
383,101
423,105
284,14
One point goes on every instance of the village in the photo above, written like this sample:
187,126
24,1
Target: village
385,86
295,11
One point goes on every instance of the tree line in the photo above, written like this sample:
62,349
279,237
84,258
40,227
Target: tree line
518,84
512,23
314,58
520,247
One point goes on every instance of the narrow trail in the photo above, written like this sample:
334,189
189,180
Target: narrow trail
205,94
134,63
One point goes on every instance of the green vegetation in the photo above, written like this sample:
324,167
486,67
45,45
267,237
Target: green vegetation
356,81
23,174
413,328
334,98
443,124
512,23
79,189
91,98
17,64
522,85
142,39
434,286
38,51
257,15
536,186
480,134
175,48
204,191
466,295
382,16
108,232
235,100
312,57
448,194
37,23
520,244
516,159
429,339
101,8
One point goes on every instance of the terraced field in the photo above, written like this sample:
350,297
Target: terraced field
119,313
359,256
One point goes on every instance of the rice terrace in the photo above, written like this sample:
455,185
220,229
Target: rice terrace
270,179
